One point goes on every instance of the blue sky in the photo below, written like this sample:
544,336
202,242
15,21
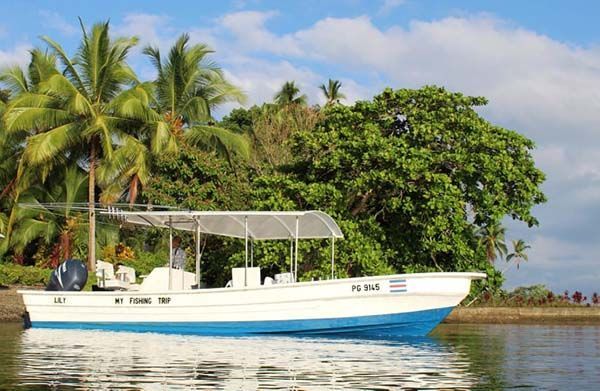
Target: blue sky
538,62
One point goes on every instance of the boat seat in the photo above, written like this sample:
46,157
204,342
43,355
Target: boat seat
239,275
284,278
123,279
126,273
105,270
268,281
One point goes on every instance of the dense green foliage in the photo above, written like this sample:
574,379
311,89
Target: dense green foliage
11,274
412,175
90,115
417,179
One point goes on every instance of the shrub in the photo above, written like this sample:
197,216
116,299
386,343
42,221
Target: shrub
11,274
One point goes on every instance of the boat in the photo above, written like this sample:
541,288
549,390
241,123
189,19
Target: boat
171,300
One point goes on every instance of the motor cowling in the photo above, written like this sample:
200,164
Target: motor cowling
71,275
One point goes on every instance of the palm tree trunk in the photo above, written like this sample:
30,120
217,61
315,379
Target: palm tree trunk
13,210
91,210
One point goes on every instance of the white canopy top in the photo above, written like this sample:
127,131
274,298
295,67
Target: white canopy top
261,225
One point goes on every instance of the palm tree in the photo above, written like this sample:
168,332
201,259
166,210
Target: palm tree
332,91
14,177
290,94
82,112
187,90
491,237
519,248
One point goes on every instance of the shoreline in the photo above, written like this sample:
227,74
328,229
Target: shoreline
12,309
575,315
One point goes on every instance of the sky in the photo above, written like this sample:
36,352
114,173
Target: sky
538,63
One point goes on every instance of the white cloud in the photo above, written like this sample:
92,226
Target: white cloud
389,5
532,81
248,27
262,79
19,55
55,21
151,29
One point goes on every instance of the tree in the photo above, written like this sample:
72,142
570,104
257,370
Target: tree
420,166
331,91
15,178
82,112
200,180
187,90
270,128
290,94
519,248
492,239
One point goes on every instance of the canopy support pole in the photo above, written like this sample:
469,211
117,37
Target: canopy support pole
198,254
170,252
296,252
252,253
332,257
291,256
246,243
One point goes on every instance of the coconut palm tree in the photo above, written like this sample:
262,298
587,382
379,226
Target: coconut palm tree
14,177
332,91
82,112
491,237
290,94
187,90
519,248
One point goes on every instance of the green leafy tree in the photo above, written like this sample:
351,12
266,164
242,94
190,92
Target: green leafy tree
270,128
519,252
81,112
290,94
422,165
331,91
198,180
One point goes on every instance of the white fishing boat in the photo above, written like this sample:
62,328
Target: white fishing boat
174,301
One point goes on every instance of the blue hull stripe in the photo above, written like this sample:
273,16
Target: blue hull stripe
418,323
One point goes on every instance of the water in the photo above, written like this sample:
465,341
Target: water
454,357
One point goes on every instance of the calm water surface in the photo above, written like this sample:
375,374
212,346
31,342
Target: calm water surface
453,357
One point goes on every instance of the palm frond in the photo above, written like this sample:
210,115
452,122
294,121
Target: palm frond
15,80
163,141
221,140
26,118
70,70
47,146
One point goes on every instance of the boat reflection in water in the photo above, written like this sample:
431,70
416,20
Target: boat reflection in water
91,359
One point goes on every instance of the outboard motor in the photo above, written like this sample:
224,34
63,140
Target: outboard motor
71,275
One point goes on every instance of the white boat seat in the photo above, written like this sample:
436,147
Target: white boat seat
123,279
242,277
105,270
268,281
125,273
284,278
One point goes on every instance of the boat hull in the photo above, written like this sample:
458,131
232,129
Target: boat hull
416,323
397,305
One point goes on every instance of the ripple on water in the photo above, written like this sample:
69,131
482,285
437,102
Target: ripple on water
455,357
